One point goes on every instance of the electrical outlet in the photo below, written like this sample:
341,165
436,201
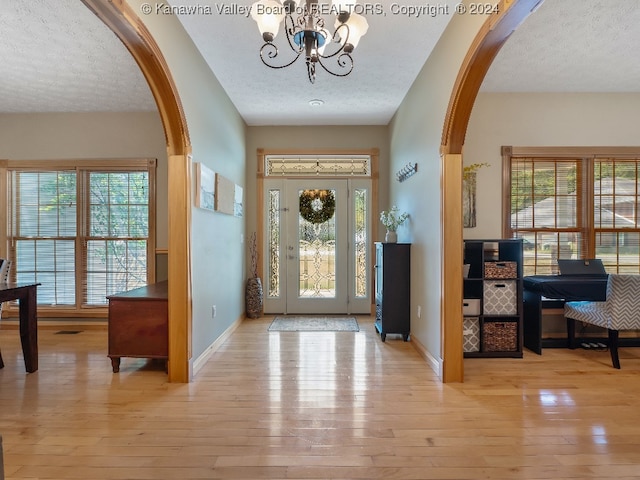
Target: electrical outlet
419,311
213,311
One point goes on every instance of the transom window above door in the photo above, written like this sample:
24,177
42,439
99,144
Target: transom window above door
314,165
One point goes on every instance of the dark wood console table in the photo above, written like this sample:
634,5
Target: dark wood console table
26,294
139,324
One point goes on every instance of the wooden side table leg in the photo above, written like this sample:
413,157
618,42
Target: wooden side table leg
115,364
29,329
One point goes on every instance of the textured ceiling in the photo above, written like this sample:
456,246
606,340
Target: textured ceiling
57,56
572,46
387,61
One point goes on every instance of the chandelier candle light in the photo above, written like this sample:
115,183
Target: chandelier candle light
307,33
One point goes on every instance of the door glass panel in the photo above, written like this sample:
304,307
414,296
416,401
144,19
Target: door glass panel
273,237
317,243
360,242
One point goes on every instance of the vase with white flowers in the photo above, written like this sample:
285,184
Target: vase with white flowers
392,220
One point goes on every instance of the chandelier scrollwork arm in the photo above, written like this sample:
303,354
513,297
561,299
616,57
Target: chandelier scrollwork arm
339,36
291,29
269,51
344,61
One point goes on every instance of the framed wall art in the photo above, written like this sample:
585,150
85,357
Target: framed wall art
225,195
237,201
205,187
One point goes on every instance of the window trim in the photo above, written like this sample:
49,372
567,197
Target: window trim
82,167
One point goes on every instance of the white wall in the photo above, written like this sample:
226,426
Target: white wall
217,135
416,132
54,136
540,119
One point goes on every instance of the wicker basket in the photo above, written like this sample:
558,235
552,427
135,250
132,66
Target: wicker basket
500,270
500,337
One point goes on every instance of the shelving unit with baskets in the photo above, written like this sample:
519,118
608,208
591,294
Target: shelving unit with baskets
492,305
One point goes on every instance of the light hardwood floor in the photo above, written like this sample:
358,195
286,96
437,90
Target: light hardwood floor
316,406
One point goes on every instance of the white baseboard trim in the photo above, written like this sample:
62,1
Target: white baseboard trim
434,363
199,362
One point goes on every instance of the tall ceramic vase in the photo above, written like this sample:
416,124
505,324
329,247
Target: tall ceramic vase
391,237
253,297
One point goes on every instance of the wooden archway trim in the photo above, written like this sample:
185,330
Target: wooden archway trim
486,45
125,23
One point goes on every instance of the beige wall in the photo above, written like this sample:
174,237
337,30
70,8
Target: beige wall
53,136
416,133
540,119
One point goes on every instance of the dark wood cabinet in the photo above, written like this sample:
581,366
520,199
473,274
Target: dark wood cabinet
492,305
392,289
139,324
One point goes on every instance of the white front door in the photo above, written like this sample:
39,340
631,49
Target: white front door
316,246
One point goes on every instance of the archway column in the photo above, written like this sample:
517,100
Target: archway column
451,269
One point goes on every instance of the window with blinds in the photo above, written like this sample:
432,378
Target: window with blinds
615,214
44,227
546,199
83,232
573,204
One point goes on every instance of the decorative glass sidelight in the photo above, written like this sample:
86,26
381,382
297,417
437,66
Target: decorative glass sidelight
317,245
360,242
274,241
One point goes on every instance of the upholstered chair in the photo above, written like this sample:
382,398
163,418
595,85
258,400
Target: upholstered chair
620,311
4,278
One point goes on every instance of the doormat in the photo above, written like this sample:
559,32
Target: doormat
314,324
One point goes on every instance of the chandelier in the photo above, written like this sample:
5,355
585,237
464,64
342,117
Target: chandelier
307,35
